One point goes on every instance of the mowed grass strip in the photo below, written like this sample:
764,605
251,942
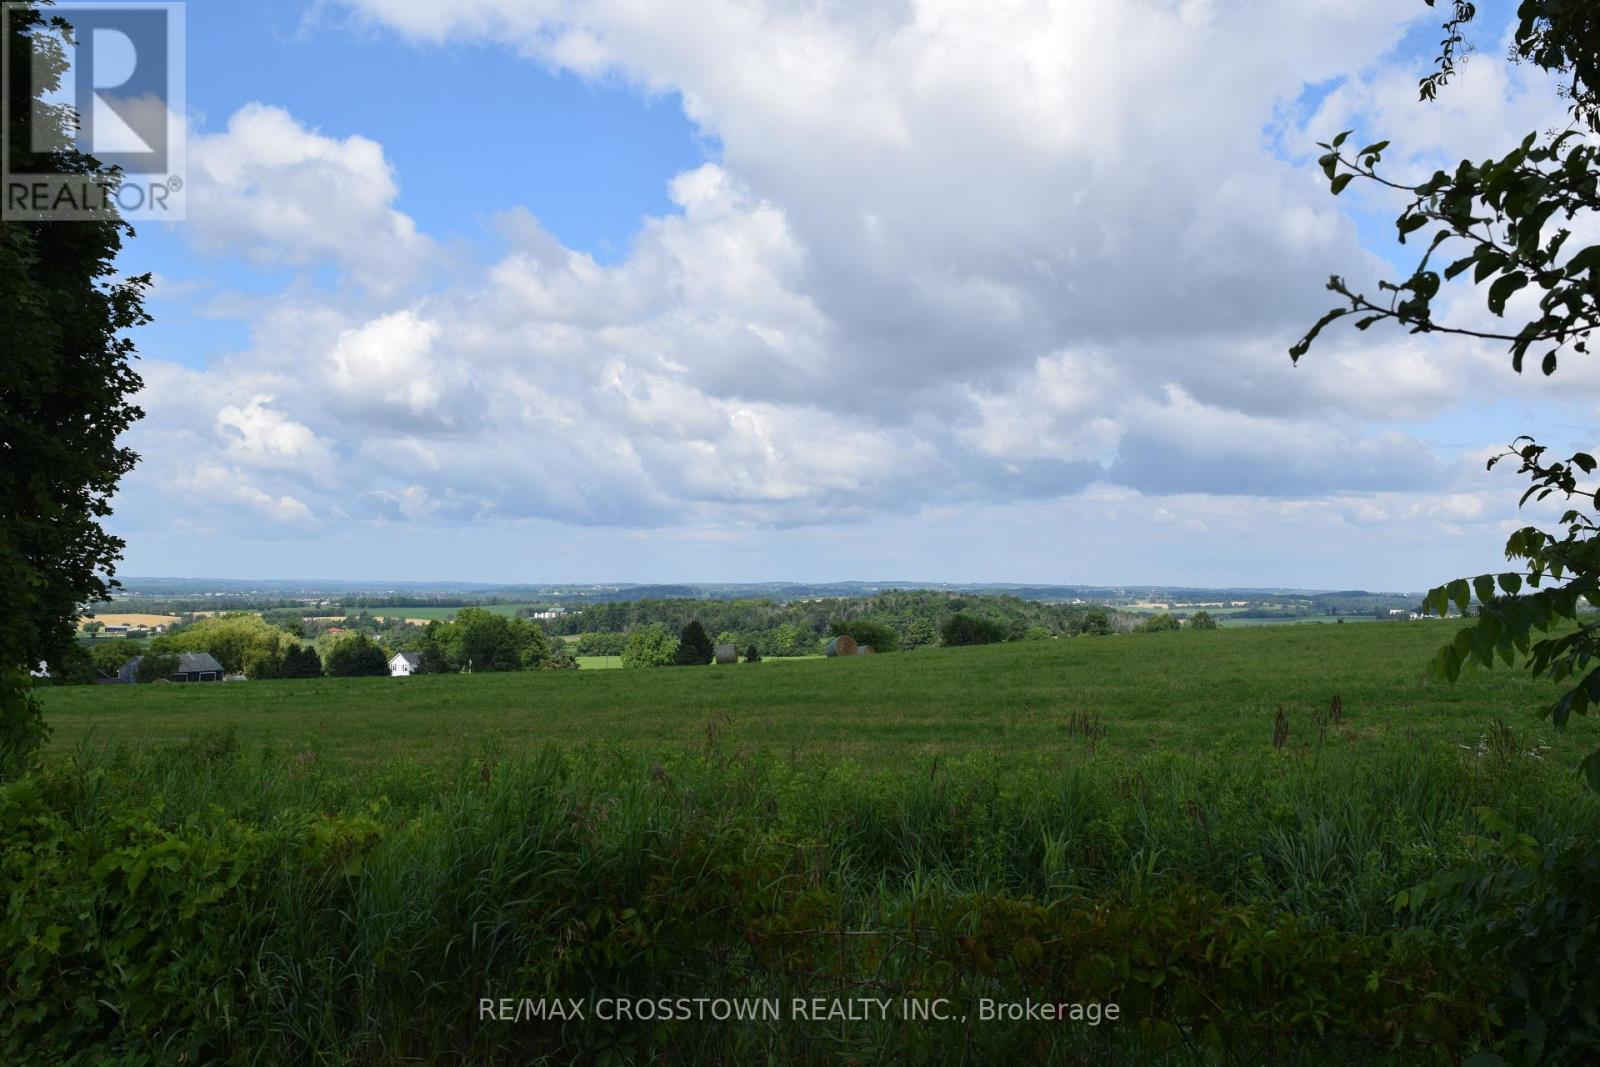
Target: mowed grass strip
1199,693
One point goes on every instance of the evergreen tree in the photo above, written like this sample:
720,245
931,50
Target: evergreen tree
694,646
357,657
301,661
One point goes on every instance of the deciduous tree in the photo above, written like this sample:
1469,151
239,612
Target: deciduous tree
66,316
1506,226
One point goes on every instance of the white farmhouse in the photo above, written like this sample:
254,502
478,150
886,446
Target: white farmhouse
404,664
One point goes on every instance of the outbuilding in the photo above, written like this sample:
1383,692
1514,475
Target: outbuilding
404,664
192,667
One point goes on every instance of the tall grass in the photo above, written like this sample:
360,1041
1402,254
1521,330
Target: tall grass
297,910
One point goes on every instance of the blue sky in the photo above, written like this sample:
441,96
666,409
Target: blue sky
745,292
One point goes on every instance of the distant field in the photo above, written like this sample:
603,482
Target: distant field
135,619
1233,620
428,614
599,663
1206,693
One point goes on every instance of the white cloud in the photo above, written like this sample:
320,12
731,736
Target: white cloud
952,255
277,193
212,484
258,435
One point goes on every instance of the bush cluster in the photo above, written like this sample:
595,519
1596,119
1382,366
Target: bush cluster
204,906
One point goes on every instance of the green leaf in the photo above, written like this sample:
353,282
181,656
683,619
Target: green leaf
1342,138
1483,585
1585,261
1511,584
1488,263
1503,289
1590,769
1461,592
1304,344
1373,149
1339,183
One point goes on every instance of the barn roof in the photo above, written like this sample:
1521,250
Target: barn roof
197,662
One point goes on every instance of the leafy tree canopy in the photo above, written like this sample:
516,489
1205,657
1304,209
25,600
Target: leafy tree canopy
357,656
1506,227
650,646
65,322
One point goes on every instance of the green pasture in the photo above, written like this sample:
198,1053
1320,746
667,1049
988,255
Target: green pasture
1212,693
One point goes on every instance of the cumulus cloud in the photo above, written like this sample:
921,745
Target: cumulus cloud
275,192
951,255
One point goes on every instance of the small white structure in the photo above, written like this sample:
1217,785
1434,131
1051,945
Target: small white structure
404,664
42,672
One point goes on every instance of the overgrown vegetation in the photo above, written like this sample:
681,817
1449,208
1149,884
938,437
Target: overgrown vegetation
208,904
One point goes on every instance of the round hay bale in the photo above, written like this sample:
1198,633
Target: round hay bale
727,653
843,645
865,650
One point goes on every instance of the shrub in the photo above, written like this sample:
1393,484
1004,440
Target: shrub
650,646
1155,624
880,635
602,644
1204,620
752,654
1534,915
962,629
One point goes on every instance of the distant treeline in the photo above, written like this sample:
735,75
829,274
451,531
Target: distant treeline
798,627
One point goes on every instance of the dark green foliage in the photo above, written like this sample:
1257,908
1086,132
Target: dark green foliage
109,656
65,318
1533,915
155,666
356,656
1546,597
800,628
602,644
1156,624
1204,620
300,661
694,646
432,659
1242,912
480,640
880,635
752,654
1094,622
971,630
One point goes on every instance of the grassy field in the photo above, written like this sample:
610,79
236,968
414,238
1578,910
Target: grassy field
444,614
1206,693
1307,619
345,867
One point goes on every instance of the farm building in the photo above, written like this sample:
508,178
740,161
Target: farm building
192,667
404,664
